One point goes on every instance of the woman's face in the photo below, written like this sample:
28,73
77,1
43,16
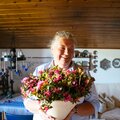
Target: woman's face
63,52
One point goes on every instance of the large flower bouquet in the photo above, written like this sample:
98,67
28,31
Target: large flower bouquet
56,84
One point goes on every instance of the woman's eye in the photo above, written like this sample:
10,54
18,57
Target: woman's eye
61,48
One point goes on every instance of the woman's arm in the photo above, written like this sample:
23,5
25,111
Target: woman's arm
84,109
34,107
88,107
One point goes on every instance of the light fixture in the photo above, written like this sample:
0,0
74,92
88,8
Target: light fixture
9,64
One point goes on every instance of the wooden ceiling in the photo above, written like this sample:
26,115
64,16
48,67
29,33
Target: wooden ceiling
32,23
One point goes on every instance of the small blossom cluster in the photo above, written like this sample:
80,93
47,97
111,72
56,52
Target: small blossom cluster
56,84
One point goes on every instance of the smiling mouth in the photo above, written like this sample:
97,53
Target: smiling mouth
65,59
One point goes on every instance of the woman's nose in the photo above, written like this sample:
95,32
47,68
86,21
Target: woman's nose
66,52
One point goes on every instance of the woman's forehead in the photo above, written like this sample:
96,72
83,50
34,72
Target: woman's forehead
64,41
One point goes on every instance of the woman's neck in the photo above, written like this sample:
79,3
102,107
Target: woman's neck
63,67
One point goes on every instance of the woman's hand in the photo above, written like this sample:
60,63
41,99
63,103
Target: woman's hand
34,107
45,116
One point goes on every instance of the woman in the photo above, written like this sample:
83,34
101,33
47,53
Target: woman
62,48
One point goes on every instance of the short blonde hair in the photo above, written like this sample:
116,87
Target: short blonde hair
62,34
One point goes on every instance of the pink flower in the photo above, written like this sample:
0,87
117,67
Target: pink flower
67,97
74,83
24,80
57,72
68,72
55,80
40,72
39,84
58,78
56,90
32,90
47,93
73,71
46,108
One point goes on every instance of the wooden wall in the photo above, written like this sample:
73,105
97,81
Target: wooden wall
32,23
